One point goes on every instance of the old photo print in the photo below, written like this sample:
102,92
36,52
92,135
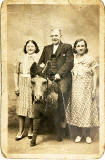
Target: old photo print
47,33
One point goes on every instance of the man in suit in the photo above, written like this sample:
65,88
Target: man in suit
61,58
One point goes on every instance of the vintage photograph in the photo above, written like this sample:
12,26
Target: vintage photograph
52,79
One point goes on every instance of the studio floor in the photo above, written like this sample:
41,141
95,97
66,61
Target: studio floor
47,144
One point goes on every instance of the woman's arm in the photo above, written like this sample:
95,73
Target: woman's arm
95,77
16,78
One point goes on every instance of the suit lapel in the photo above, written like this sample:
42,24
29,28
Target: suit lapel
58,51
50,52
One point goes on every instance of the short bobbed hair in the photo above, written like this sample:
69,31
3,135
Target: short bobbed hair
75,44
35,44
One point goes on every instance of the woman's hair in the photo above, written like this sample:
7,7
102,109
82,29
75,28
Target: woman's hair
35,44
79,40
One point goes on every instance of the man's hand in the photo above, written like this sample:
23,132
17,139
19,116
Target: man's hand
57,76
42,65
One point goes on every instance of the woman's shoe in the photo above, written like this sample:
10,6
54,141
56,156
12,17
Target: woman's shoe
30,135
19,137
88,140
78,139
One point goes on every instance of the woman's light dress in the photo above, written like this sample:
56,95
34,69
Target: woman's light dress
82,110
24,107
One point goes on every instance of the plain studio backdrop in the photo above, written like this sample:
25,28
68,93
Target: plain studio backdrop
25,22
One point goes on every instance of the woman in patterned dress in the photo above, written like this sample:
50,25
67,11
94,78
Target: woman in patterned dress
23,86
82,110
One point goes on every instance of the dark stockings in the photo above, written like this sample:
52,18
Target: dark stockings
83,131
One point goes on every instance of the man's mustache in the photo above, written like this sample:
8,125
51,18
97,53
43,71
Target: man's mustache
55,39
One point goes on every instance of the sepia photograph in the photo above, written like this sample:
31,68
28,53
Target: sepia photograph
52,65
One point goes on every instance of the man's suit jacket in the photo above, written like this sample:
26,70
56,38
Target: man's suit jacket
64,58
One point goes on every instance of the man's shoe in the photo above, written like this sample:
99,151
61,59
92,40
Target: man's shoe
59,139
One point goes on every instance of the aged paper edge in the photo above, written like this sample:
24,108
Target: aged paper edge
81,2
4,109
4,98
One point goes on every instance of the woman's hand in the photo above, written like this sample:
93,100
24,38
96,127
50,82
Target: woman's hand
17,91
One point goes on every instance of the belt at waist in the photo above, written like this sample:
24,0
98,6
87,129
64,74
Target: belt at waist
25,75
